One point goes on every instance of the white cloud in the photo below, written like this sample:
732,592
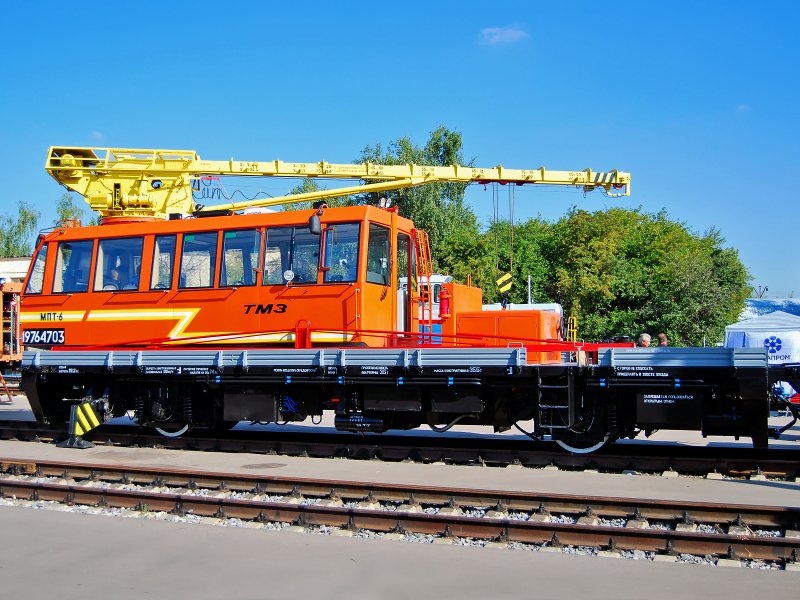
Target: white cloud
743,107
98,135
494,36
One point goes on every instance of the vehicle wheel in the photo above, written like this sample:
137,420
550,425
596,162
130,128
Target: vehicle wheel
579,445
174,431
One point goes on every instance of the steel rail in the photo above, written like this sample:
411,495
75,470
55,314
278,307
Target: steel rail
534,531
755,515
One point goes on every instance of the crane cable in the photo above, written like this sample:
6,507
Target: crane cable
495,219
511,228
495,226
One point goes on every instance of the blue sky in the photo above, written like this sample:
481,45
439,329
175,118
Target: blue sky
698,100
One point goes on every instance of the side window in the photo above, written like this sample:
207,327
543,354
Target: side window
73,260
291,249
36,280
403,248
403,279
119,262
239,257
378,253
163,261
198,259
341,252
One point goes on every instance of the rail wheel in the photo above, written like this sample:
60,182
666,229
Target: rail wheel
174,431
581,445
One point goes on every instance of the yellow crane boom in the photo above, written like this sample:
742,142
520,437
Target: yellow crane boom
120,182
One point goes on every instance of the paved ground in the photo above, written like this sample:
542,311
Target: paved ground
69,556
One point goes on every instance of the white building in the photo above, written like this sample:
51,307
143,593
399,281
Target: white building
14,269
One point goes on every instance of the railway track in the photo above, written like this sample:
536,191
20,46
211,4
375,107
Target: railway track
645,458
547,521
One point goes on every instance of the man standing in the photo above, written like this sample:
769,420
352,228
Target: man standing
644,340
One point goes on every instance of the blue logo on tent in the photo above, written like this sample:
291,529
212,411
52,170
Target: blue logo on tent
772,344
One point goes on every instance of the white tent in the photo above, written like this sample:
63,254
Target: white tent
778,332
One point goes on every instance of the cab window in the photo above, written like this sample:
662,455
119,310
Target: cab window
403,262
163,261
292,251
240,251
119,262
36,280
198,260
378,253
404,276
73,261
341,252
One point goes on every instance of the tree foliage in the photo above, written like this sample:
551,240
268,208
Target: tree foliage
309,185
68,210
623,272
16,232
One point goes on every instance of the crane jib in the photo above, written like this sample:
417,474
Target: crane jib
152,183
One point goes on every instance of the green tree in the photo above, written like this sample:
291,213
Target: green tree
465,253
702,288
68,210
531,243
312,185
16,233
626,271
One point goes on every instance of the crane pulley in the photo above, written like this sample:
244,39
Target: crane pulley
141,183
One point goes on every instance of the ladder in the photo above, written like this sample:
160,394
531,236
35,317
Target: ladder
422,251
557,402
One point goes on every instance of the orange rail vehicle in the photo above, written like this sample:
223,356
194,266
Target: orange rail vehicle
193,316
189,316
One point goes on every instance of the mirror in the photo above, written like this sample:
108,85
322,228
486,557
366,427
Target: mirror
314,225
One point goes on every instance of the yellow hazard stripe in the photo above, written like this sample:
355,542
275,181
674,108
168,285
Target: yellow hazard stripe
89,412
82,420
504,282
85,419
